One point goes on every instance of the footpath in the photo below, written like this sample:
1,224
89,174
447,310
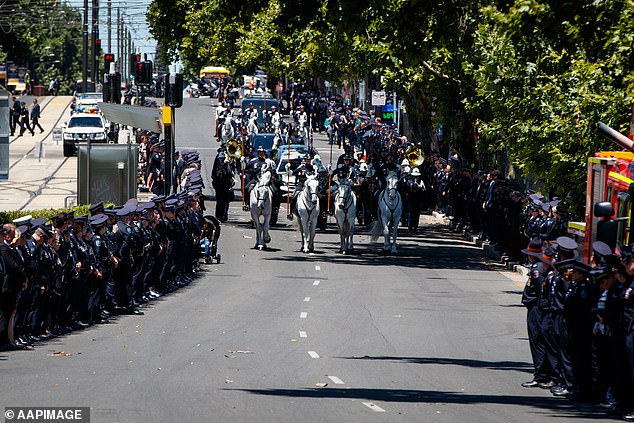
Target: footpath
489,251
40,177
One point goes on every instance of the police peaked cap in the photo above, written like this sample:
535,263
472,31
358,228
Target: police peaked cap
600,248
148,205
99,220
110,212
24,220
601,272
567,244
39,221
123,212
44,231
158,199
81,219
97,207
572,264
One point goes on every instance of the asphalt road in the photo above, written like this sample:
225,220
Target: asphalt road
434,334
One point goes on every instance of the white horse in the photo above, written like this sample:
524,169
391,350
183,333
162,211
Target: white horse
307,212
390,208
261,204
252,127
227,131
345,214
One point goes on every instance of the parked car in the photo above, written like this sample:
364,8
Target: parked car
83,127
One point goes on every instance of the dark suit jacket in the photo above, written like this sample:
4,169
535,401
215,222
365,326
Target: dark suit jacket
13,266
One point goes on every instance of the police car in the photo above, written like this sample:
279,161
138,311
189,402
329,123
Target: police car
86,101
83,127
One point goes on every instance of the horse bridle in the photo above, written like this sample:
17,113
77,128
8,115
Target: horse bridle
347,200
314,205
257,192
392,210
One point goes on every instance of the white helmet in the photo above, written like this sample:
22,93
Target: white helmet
363,167
405,162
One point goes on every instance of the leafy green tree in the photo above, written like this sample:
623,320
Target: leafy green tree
45,36
528,77
544,74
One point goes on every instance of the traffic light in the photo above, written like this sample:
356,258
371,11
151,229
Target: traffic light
107,59
147,72
138,73
112,88
134,59
97,45
115,87
173,84
143,75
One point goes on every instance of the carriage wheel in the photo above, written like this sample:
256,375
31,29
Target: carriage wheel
218,258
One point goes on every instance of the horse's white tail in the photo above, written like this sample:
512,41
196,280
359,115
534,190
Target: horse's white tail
376,229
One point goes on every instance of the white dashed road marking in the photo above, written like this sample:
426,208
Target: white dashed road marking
302,334
315,283
317,267
313,354
303,315
336,380
374,407
306,299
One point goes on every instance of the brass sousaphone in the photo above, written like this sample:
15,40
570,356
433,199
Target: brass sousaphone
234,149
414,156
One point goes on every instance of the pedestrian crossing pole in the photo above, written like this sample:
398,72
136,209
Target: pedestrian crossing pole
329,177
168,124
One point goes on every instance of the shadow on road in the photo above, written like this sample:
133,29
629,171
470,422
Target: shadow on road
559,408
434,247
520,366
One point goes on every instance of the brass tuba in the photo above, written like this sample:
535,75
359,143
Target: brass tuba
414,156
234,149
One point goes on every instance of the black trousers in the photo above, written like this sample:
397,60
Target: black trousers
537,342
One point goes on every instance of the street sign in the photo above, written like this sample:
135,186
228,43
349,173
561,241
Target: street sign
378,98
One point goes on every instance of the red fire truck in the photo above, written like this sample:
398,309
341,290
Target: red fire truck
609,196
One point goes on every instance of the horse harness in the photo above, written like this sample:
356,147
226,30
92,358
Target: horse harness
347,202
392,210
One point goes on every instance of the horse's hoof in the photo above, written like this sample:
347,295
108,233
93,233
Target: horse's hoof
267,238
344,252
260,247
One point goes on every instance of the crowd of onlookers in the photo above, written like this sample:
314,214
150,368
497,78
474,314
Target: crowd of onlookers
490,206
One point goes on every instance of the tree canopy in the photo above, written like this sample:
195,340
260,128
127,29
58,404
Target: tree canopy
45,36
527,77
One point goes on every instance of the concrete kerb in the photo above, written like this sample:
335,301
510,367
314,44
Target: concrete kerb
489,251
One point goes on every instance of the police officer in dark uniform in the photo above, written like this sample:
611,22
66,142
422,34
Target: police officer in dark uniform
346,169
566,250
254,168
222,181
580,299
533,222
103,265
123,251
538,272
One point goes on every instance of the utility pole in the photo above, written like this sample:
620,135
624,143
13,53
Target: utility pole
109,29
119,54
129,45
95,44
84,68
